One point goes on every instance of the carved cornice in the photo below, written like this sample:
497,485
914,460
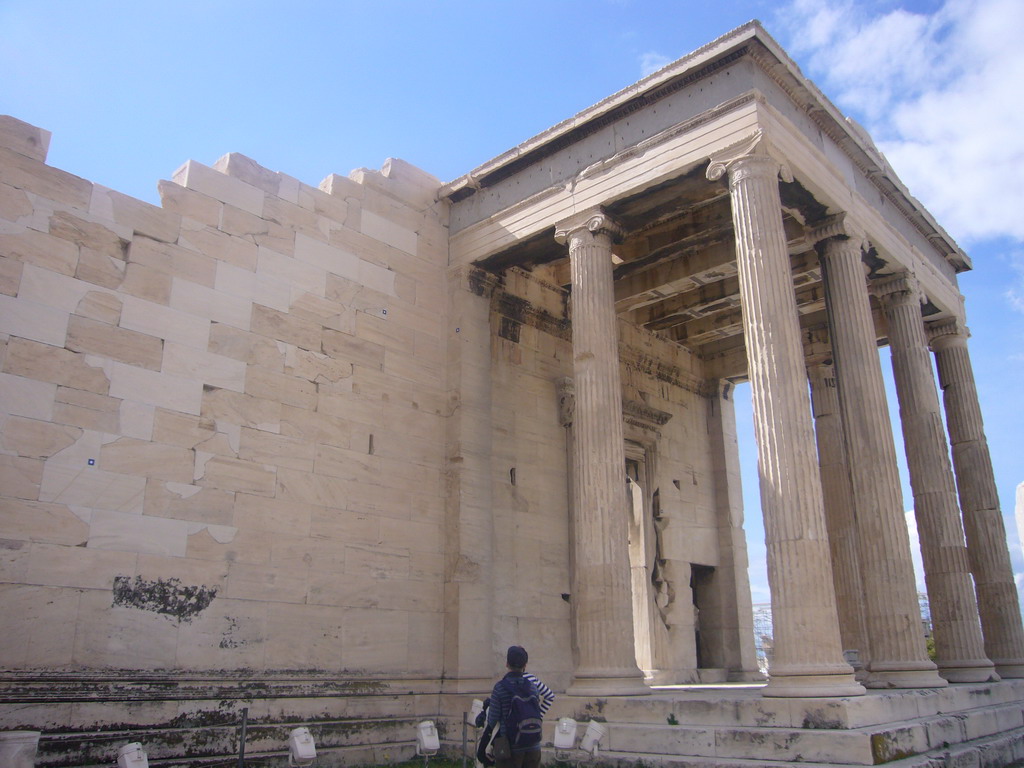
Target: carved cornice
634,412
754,146
594,221
642,415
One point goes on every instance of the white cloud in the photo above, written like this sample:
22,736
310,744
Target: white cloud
651,62
940,94
1015,297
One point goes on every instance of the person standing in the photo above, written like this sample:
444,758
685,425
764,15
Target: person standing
516,706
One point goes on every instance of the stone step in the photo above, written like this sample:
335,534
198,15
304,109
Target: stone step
212,743
1002,750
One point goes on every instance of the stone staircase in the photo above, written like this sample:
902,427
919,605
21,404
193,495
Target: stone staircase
975,725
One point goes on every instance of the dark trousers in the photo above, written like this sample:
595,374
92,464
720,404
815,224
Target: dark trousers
528,759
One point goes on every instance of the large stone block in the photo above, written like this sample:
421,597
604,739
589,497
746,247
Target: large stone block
219,186
29,320
23,138
147,283
260,513
283,584
229,637
41,249
285,327
10,275
36,439
127,532
43,362
56,565
26,397
159,389
246,346
295,273
318,646
242,409
387,231
36,621
157,320
20,478
24,520
101,306
87,410
173,260
189,204
237,475
148,459
209,368
237,251
245,284
137,215
183,501
281,388
213,305
122,637
271,449
29,174
103,340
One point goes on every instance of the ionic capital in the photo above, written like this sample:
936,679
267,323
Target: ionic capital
898,289
839,226
586,226
750,156
947,333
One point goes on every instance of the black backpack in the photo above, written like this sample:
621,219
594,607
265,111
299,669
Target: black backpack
523,724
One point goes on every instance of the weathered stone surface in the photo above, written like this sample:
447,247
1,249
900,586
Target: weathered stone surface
148,459
41,249
47,363
25,139
189,204
235,475
36,439
184,501
87,410
100,306
20,477
131,347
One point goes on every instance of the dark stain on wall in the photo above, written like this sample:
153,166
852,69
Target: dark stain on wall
167,596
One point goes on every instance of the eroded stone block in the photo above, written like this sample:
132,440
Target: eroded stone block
131,347
43,362
23,138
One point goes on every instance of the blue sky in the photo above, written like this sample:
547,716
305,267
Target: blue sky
131,90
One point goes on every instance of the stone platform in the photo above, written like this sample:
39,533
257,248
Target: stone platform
194,722
964,725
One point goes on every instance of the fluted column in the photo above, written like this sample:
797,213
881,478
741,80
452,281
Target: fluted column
808,658
838,497
959,648
892,614
602,594
983,521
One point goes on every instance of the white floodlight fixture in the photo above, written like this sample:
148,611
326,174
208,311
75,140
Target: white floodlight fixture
476,709
132,756
427,741
301,747
592,737
565,737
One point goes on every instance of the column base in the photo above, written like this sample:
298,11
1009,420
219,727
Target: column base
812,686
608,685
906,674
968,671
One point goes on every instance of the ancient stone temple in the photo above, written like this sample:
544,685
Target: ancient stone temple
317,456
